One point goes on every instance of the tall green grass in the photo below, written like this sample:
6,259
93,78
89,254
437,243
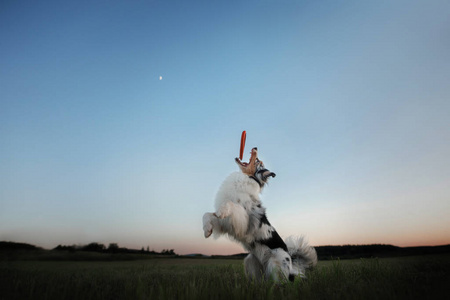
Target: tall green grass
424,277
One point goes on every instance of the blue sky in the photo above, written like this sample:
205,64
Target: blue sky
347,101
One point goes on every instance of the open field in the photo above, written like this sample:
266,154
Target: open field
419,277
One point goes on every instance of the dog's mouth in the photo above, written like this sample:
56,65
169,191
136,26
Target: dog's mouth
254,167
253,157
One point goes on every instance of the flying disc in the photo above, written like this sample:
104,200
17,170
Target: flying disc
243,137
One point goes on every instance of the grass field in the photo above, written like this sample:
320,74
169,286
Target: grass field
424,277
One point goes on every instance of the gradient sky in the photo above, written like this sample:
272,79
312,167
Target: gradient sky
347,101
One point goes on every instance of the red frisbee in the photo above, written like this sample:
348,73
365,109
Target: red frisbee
243,137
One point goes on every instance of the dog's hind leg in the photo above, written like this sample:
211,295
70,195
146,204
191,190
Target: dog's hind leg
278,267
236,216
224,210
253,268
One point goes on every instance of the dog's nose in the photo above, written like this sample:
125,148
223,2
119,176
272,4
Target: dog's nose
273,174
255,148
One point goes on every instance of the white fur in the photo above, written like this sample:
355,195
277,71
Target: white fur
303,255
240,215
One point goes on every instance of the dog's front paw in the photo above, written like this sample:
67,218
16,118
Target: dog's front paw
207,225
207,230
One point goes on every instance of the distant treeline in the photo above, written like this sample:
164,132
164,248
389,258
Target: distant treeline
364,251
323,252
92,247
112,248
376,250
11,246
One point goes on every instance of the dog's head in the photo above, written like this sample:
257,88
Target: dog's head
255,168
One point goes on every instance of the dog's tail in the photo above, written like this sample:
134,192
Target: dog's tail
303,255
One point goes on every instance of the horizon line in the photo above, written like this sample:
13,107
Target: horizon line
240,253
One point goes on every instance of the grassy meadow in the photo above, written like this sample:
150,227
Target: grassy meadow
420,277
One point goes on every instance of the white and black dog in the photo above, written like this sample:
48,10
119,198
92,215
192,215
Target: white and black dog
240,214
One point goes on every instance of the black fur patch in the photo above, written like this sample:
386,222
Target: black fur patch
263,220
274,242
257,180
261,171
